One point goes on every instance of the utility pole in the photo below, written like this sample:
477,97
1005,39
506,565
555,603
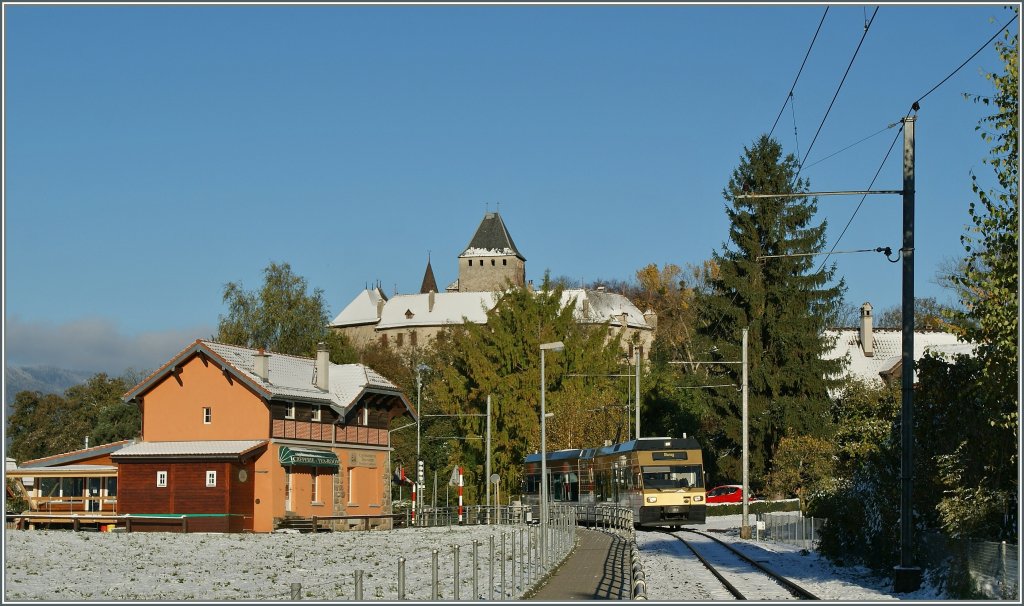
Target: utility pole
487,472
637,396
907,576
745,527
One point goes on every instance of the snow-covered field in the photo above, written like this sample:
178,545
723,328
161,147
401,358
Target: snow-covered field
70,566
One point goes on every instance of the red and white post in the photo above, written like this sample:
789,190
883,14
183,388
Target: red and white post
460,494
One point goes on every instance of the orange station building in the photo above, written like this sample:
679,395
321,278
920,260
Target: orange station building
238,439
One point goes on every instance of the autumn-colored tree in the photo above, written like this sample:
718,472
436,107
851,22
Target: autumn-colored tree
803,465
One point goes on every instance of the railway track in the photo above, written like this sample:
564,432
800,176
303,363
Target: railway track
743,577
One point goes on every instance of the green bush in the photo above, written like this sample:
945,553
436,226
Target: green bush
726,509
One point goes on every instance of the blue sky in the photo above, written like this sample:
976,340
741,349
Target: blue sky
154,153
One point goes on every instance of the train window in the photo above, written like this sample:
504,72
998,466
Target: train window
672,476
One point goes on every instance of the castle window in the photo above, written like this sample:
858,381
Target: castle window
470,262
400,339
504,261
412,338
384,340
492,262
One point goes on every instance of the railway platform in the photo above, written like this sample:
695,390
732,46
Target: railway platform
598,569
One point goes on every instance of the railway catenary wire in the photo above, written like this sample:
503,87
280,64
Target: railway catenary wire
795,590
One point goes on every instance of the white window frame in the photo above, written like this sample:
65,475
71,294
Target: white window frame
316,485
289,411
365,421
207,415
316,413
211,478
161,479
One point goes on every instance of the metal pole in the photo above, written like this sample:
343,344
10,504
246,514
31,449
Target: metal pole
637,395
433,575
401,578
487,472
745,527
543,458
455,591
907,577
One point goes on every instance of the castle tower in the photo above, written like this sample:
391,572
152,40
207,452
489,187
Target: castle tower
491,261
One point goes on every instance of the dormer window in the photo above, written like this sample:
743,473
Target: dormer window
409,314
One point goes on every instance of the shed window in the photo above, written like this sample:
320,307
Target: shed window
211,479
161,479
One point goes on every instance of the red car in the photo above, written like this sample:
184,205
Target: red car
727,493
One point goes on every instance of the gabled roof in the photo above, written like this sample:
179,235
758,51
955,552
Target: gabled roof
289,377
362,309
491,239
76,455
888,350
205,449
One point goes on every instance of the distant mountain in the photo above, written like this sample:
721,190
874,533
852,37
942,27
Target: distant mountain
45,379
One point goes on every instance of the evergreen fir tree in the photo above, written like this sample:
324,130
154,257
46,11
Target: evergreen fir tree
784,302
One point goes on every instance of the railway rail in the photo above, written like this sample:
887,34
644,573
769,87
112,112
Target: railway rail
741,575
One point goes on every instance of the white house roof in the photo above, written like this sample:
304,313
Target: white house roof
289,377
292,376
888,349
362,309
206,448
448,308
600,306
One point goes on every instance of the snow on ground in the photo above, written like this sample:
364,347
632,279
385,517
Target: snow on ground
77,566
669,578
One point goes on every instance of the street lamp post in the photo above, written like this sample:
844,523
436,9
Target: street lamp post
419,467
556,346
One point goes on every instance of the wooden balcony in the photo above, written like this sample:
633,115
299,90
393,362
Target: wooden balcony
321,432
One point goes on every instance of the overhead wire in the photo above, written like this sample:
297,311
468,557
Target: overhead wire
913,108
867,27
800,71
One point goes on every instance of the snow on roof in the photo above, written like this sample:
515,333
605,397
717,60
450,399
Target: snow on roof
292,376
198,448
592,306
599,306
449,308
362,309
491,239
888,348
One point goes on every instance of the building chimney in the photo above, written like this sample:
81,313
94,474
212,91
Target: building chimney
651,317
87,442
600,288
586,307
624,317
261,364
529,285
380,308
430,301
867,338
323,366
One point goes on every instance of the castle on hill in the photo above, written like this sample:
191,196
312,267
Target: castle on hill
487,266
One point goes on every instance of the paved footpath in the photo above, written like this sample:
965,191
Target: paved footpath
598,569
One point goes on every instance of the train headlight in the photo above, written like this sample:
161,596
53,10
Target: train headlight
652,499
698,498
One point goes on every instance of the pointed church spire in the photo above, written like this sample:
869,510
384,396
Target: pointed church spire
429,283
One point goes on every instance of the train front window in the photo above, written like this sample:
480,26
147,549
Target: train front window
672,477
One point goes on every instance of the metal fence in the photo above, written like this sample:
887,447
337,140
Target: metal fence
791,528
503,567
993,568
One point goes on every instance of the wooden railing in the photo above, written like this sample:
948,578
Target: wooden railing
72,504
321,432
